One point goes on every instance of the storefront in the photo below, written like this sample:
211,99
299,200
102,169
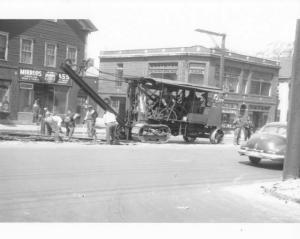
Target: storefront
259,115
50,89
5,86
229,113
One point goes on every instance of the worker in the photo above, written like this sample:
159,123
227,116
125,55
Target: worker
238,125
90,120
248,128
111,124
70,124
53,123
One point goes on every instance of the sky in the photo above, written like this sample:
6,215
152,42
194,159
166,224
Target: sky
131,24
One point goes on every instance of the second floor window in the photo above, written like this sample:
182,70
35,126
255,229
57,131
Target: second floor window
72,54
26,53
3,45
50,54
119,74
196,73
261,84
165,70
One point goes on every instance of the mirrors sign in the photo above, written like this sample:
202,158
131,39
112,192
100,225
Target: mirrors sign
49,77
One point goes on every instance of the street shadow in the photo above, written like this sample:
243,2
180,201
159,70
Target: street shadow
265,165
198,141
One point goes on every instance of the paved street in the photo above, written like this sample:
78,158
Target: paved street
174,182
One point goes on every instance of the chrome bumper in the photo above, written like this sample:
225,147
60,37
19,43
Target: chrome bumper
261,155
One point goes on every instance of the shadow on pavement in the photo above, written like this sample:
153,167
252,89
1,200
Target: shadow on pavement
264,164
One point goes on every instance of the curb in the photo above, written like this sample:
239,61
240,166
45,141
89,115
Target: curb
280,195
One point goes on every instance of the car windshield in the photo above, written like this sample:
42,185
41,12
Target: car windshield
271,129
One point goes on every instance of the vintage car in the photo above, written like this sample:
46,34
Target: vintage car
268,143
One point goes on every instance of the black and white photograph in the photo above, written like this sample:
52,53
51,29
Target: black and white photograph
152,113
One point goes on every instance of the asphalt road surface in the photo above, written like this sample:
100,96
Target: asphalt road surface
174,182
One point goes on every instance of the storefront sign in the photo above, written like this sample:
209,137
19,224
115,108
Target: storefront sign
30,75
49,77
63,78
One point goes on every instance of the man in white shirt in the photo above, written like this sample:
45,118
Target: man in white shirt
54,123
111,124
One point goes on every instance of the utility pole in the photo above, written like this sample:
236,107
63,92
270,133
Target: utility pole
291,167
222,58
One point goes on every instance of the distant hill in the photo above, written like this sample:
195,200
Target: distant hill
276,50
282,52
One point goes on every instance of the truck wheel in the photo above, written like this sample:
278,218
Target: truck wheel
254,160
189,139
216,136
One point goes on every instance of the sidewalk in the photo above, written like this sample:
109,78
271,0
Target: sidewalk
80,130
288,190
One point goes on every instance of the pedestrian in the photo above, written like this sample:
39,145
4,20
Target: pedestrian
53,123
248,128
36,110
111,124
70,124
90,120
237,123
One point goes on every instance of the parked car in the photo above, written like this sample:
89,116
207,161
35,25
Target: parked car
267,143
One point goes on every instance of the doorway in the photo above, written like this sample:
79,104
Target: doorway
45,95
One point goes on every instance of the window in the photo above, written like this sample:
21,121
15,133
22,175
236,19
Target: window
26,52
4,96
230,80
3,45
72,54
165,70
115,104
119,74
244,82
261,84
50,54
196,73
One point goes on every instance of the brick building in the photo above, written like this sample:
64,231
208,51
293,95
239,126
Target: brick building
249,82
31,52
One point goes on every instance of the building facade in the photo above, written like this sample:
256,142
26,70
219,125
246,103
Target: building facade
250,83
31,52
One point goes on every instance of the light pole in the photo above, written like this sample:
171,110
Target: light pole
223,35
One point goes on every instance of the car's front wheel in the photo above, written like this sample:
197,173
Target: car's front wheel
254,160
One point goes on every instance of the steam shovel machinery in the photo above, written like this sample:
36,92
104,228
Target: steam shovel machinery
158,108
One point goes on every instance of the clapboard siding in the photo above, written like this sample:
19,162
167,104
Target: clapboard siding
62,32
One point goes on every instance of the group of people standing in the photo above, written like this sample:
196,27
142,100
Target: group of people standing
51,123
242,125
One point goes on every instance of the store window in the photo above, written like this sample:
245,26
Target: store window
4,96
196,73
165,70
72,54
119,74
261,84
26,52
50,54
3,45
229,112
25,97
